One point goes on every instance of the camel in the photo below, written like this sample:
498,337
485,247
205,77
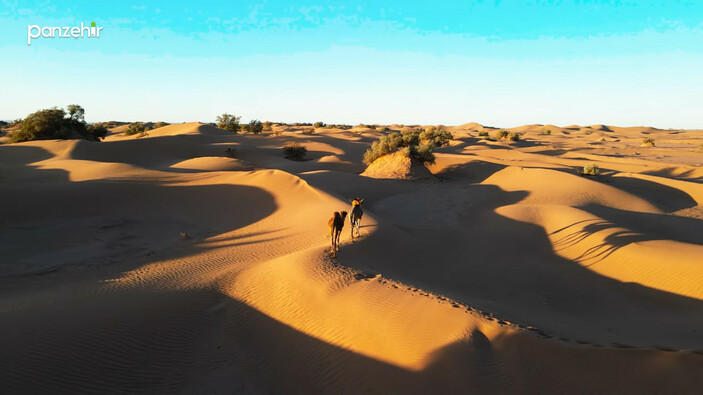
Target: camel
336,223
355,216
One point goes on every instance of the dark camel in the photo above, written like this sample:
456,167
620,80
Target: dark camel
336,223
355,216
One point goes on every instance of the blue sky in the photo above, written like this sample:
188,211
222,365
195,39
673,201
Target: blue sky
498,63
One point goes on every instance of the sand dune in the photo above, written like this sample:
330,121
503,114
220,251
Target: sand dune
194,260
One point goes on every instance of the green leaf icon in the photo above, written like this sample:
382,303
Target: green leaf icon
92,24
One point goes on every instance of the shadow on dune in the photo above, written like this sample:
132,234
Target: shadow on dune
647,226
664,197
474,171
673,172
16,155
47,225
154,153
201,341
470,253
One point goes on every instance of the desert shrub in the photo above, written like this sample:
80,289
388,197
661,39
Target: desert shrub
423,152
98,131
294,151
308,131
648,140
3,124
54,123
267,126
545,132
502,134
228,122
439,137
302,124
513,136
385,129
255,126
395,141
483,133
591,169
160,124
319,124
361,125
136,128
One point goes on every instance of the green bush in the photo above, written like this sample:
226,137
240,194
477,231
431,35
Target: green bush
483,133
502,134
54,123
98,131
160,125
294,151
319,124
439,137
546,132
513,136
135,128
308,131
255,126
228,122
395,141
648,140
385,129
423,152
591,169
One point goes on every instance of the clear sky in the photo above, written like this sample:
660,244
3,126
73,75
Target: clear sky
501,63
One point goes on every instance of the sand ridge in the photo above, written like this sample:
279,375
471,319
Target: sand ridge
195,260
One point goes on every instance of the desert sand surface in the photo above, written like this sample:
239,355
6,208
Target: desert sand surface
194,260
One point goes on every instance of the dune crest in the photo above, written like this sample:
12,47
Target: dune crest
196,260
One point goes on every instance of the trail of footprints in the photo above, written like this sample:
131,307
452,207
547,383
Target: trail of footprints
487,315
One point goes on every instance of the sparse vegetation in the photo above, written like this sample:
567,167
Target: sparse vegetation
308,131
648,141
423,152
591,169
420,149
483,133
294,151
513,136
319,124
338,126
255,126
97,130
56,123
267,126
228,122
160,124
546,132
439,137
385,129
363,126
136,128
501,134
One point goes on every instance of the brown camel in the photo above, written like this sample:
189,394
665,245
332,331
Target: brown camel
336,223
